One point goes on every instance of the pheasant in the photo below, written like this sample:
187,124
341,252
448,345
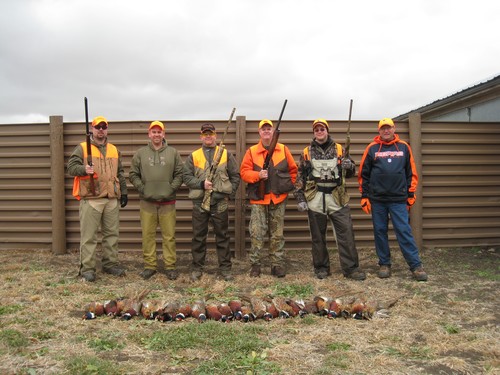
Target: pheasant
111,308
310,307
213,312
357,309
198,311
151,309
260,308
183,312
169,311
335,309
235,306
295,307
322,304
247,314
225,310
285,310
131,307
93,310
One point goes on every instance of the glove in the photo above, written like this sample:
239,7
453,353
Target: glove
302,206
366,206
346,164
410,202
123,201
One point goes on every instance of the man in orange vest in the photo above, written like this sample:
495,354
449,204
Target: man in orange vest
268,212
320,193
102,208
224,184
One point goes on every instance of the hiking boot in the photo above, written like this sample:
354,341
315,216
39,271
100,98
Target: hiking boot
88,276
278,271
196,275
172,274
322,275
115,271
147,273
255,271
384,272
419,274
356,275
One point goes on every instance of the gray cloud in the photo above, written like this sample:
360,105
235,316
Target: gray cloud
198,59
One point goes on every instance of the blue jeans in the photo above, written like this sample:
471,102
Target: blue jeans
399,217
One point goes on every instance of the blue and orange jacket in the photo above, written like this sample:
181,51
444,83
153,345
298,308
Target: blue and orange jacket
387,171
282,173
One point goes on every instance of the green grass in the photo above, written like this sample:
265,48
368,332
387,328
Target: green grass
293,290
487,274
87,365
13,338
229,346
450,328
107,341
338,346
9,309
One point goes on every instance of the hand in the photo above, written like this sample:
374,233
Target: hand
123,201
208,185
89,169
410,202
263,174
366,206
302,206
346,163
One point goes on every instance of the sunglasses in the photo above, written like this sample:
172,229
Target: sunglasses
319,129
207,134
101,127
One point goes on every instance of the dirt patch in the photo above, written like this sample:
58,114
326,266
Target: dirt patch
448,325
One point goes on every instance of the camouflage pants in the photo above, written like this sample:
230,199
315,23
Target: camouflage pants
267,219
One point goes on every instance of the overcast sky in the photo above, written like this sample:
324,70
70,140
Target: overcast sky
197,59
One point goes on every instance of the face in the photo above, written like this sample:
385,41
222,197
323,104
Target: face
386,133
100,132
320,133
156,135
208,138
266,134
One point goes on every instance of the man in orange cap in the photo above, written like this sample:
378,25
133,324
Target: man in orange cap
156,173
268,212
102,208
319,191
388,182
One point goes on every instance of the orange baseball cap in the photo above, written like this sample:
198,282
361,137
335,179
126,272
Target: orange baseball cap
157,123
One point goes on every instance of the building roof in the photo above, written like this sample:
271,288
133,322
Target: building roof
475,94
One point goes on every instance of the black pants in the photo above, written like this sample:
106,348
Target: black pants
342,223
200,230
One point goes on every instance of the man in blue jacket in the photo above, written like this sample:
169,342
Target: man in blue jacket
388,182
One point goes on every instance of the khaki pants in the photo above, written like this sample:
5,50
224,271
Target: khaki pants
101,212
152,215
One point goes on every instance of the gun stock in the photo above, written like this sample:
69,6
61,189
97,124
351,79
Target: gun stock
207,197
89,146
272,147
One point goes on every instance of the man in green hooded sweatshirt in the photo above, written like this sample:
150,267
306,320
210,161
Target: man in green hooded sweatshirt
156,173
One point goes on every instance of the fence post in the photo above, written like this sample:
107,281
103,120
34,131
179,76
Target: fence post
415,132
57,185
239,206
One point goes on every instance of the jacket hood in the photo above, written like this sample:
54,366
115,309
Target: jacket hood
378,140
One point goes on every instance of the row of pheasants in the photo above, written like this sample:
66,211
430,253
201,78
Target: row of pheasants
245,309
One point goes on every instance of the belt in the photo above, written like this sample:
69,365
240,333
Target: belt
326,189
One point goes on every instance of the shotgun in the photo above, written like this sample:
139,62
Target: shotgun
89,146
347,145
270,152
205,204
